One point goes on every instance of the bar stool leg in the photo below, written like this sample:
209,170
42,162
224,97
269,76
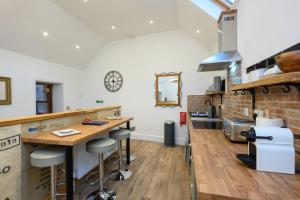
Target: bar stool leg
101,194
53,182
121,174
101,172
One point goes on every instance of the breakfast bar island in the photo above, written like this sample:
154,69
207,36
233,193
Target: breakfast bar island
21,136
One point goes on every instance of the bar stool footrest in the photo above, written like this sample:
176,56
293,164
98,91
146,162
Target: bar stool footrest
104,195
120,175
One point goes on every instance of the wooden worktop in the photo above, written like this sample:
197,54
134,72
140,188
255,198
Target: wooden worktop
87,132
220,175
34,118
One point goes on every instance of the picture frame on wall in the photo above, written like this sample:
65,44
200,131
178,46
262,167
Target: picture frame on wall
5,90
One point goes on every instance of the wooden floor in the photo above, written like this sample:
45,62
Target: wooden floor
160,173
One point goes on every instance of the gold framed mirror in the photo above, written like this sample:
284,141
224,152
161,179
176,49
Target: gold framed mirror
168,89
5,91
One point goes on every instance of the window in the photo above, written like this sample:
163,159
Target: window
43,98
212,8
230,1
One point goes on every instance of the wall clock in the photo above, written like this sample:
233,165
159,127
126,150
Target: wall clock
113,81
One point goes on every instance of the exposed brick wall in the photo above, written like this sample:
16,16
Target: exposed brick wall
196,103
280,104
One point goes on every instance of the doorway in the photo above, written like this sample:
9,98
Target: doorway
44,94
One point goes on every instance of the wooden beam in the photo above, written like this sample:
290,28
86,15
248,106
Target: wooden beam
222,4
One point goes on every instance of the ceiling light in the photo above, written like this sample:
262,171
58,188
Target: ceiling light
198,31
151,22
113,27
45,33
85,0
77,47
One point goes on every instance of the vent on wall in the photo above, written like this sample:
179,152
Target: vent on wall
229,18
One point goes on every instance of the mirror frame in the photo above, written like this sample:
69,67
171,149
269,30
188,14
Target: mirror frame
179,94
7,100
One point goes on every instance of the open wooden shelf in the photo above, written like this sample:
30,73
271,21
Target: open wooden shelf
279,79
214,93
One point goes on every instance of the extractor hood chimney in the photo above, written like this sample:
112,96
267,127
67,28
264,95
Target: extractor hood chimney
227,43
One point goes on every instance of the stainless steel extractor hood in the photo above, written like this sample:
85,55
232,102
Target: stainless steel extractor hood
219,61
227,43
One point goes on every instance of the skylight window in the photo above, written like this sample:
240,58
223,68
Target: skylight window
209,7
230,1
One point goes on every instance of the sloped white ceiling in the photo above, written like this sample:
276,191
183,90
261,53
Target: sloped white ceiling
23,21
130,17
88,24
197,23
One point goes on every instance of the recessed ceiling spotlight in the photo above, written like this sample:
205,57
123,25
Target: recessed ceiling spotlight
45,33
151,22
85,0
113,27
77,47
198,31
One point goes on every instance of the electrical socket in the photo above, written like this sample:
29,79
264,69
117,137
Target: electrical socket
99,101
246,112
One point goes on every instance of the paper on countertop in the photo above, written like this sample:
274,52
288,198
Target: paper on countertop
66,132
113,118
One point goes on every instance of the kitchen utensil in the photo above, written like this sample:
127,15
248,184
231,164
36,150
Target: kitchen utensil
256,74
269,122
289,62
217,83
271,71
212,111
233,128
270,149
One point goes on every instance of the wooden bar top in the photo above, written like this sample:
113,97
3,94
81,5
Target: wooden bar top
34,118
220,175
87,132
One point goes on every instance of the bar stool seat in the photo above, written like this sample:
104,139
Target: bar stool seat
46,157
100,146
51,156
121,134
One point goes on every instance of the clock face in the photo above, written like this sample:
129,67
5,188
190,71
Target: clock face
113,81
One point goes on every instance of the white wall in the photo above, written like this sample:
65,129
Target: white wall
25,71
266,27
138,60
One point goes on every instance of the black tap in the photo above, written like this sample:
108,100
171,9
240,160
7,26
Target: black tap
207,100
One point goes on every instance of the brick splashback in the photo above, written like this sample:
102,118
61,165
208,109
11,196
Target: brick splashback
196,103
281,105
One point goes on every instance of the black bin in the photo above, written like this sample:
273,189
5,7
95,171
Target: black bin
169,138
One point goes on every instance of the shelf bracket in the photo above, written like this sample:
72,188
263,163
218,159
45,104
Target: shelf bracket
297,86
286,88
253,93
266,90
221,95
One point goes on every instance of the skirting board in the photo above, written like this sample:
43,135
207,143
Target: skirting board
155,138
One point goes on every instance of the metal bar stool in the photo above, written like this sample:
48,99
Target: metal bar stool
121,173
101,146
49,157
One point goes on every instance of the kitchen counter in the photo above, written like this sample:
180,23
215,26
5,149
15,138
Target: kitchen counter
220,175
36,118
